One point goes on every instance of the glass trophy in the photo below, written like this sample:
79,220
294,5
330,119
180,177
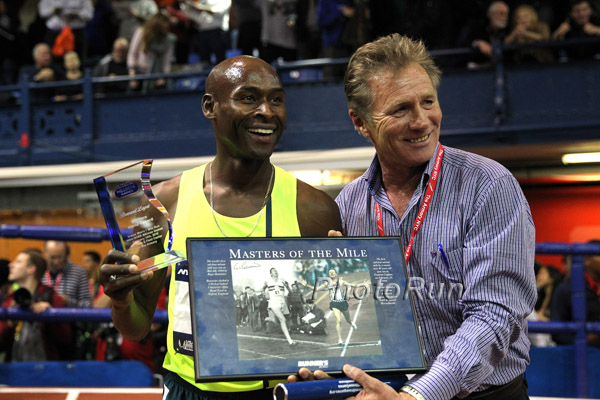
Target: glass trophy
133,214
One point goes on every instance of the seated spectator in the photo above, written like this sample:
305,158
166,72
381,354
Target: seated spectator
483,36
561,305
32,340
528,29
43,70
581,23
72,73
151,51
114,64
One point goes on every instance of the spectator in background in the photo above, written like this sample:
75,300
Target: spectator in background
484,36
253,308
333,16
72,73
112,65
151,51
133,14
561,308
249,22
528,29
4,282
32,340
101,30
295,300
581,23
91,263
278,35
62,13
210,28
70,282
308,30
43,70
547,279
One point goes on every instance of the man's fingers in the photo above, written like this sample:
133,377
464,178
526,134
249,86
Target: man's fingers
357,375
334,233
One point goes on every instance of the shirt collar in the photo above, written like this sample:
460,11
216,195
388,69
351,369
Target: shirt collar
373,174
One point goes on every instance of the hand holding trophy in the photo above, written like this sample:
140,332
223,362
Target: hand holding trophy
134,214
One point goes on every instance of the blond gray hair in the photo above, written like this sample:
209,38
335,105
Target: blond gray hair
389,53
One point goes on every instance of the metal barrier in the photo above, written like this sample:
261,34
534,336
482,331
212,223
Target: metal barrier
579,326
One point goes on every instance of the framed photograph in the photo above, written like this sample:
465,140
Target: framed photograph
262,308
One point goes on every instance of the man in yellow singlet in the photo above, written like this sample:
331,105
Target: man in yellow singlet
245,101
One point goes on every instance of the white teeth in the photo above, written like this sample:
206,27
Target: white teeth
419,140
263,131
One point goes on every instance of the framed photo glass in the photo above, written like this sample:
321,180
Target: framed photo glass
264,307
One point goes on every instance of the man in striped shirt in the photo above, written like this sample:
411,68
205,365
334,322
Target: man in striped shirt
464,219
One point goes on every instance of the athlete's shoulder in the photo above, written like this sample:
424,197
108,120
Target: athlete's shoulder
317,212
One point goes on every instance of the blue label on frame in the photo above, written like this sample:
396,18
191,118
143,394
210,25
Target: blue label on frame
126,189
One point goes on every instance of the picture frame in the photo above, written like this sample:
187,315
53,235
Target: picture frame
241,289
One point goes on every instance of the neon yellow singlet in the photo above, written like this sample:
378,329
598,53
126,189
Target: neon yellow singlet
194,219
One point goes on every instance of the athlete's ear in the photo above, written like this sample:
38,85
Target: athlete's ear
209,106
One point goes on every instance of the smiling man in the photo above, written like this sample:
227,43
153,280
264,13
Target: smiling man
464,220
229,197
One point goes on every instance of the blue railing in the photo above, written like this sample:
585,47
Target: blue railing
499,105
579,325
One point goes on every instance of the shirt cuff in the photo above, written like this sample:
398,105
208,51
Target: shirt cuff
439,383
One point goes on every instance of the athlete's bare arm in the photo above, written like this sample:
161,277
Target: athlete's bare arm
317,212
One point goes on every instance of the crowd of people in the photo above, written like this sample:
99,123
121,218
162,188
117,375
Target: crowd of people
39,279
130,37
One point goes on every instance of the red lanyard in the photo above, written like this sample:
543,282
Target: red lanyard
424,207
56,282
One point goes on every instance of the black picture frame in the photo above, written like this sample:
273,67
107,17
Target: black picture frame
381,337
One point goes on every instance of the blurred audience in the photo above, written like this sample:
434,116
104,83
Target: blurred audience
151,51
101,30
528,29
483,36
248,20
278,31
132,14
210,28
334,16
70,14
32,340
70,282
73,72
561,306
581,22
112,65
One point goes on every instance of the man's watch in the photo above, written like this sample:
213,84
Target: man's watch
412,391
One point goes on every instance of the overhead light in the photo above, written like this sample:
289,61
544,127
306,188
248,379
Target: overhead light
581,158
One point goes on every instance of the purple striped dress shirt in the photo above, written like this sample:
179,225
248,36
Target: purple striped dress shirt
472,305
